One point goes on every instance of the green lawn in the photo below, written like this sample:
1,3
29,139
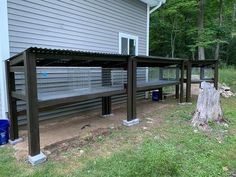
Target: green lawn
168,148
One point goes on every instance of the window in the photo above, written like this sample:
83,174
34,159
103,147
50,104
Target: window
128,44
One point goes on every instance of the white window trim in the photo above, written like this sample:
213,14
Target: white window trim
4,54
129,36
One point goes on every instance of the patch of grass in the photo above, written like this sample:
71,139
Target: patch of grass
150,159
228,75
7,165
182,153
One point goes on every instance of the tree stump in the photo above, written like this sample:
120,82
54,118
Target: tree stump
208,107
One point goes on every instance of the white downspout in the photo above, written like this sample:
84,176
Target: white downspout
4,54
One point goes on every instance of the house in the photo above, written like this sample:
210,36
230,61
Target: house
111,26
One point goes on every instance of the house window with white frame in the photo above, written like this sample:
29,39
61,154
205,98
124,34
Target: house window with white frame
128,44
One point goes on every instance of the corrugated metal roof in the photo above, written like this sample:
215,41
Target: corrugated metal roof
71,52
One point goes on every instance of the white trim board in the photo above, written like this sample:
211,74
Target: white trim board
4,54
129,36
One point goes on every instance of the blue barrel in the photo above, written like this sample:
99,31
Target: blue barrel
155,95
4,133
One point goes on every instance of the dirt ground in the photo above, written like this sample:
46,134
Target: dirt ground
57,135
61,134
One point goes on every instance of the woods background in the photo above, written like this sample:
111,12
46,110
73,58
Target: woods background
195,29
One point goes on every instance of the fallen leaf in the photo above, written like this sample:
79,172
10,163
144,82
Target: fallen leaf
225,168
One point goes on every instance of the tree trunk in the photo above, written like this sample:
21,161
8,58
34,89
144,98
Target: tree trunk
173,36
201,50
217,51
172,40
208,107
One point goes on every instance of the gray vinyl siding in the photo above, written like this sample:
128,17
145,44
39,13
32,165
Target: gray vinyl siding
90,25
87,25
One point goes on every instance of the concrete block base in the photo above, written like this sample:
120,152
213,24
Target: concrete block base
130,123
107,116
37,159
16,141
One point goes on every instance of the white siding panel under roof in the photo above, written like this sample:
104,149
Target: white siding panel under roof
75,24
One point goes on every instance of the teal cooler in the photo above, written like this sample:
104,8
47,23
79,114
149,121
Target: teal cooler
4,131
155,95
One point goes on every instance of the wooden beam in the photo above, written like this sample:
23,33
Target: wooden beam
188,82
216,75
17,59
106,106
17,69
131,89
106,101
73,99
18,96
181,99
12,106
157,86
32,103
134,88
177,91
160,93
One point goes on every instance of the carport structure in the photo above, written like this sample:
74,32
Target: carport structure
31,59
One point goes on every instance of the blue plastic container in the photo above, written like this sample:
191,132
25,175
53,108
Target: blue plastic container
155,95
4,131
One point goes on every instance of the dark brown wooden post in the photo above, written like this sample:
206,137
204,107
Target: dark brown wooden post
188,81
106,101
106,106
134,88
182,83
216,75
32,103
177,91
177,86
131,90
12,107
160,93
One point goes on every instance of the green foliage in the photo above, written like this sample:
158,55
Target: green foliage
176,22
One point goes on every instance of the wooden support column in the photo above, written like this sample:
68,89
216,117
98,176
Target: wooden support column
216,74
106,106
181,99
12,107
177,91
32,103
188,81
160,93
131,90
177,86
106,101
